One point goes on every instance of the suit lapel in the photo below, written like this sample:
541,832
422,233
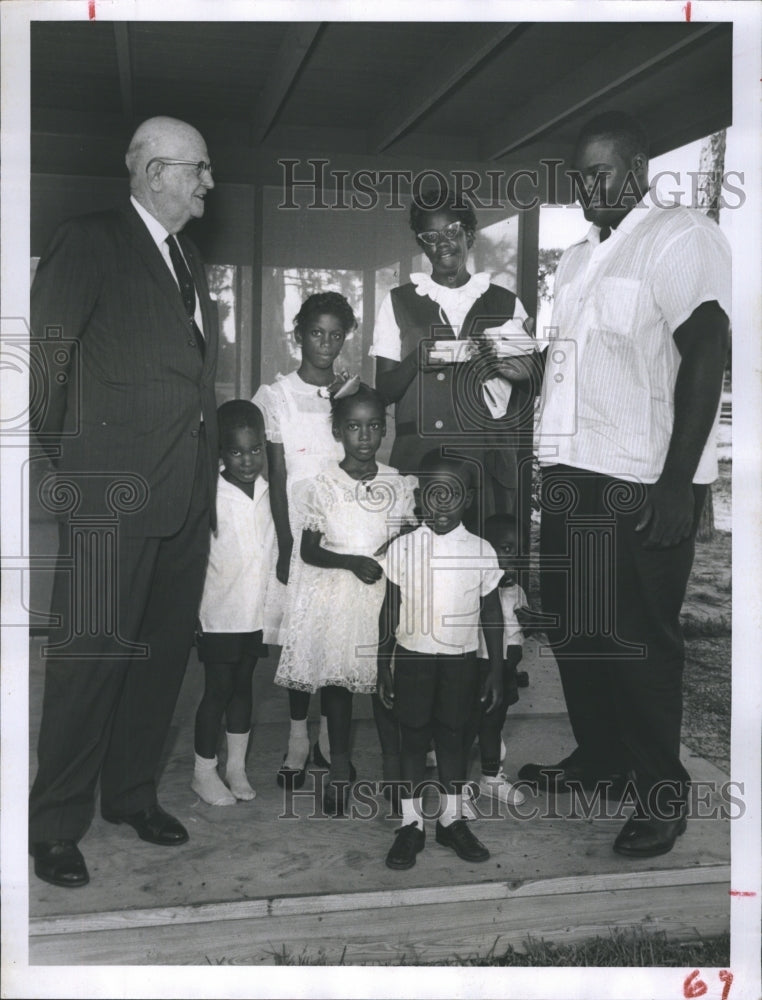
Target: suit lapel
151,257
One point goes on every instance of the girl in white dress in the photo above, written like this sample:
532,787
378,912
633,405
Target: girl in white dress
348,513
297,412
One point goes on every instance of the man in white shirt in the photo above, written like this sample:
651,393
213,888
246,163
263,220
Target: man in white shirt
625,437
130,423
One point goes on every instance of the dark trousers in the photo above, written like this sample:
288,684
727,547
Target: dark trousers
109,714
618,641
433,698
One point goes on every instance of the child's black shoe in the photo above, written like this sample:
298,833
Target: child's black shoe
459,837
408,842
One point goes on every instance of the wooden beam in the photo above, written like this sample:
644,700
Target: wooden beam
587,85
292,54
395,926
428,87
124,63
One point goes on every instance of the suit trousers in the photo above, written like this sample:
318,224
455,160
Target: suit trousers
618,641
106,713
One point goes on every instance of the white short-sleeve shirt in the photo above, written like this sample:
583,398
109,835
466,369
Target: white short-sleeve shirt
442,579
608,395
241,556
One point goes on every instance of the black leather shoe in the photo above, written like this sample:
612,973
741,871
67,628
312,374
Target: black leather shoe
154,825
60,862
552,779
408,842
292,777
648,837
458,836
319,758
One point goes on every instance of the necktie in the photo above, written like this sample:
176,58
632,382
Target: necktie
605,233
187,289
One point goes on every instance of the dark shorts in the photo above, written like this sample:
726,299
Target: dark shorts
227,647
434,686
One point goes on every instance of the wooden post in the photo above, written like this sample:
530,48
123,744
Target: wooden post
255,354
526,287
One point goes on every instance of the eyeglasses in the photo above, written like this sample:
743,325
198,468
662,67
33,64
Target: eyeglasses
200,165
432,236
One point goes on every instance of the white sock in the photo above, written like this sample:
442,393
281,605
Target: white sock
412,812
298,745
451,809
325,746
235,769
208,785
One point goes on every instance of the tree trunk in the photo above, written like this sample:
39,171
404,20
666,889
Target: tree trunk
709,186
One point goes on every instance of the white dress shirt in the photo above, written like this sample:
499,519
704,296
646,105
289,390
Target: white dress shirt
608,395
159,235
442,579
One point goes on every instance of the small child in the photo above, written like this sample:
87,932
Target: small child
346,513
241,552
300,444
442,580
501,532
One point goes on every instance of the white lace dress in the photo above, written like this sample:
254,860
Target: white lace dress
299,418
331,624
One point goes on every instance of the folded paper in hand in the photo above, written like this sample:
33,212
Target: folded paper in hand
509,341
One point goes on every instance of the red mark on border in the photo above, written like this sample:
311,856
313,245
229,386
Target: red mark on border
91,9
687,10
693,986
739,892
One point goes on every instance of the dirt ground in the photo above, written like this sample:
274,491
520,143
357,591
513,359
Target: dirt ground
707,628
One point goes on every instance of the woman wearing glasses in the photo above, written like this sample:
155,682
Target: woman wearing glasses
452,389
434,361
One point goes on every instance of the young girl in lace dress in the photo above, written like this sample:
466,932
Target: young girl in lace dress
347,514
300,443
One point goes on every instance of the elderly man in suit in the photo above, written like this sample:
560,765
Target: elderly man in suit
136,425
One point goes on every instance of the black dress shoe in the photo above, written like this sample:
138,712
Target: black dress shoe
558,778
60,862
319,757
292,777
648,837
459,837
154,825
408,842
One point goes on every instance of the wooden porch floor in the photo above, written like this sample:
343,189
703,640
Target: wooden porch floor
261,877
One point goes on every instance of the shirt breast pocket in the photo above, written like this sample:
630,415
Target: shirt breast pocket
617,305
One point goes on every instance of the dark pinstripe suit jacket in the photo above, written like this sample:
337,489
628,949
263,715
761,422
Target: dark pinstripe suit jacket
128,395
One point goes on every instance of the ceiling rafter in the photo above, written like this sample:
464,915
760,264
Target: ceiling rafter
429,87
124,64
584,86
292,54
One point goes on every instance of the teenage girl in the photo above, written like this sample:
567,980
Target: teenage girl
347,514
297,412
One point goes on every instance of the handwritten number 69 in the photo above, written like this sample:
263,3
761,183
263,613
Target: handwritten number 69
695,987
